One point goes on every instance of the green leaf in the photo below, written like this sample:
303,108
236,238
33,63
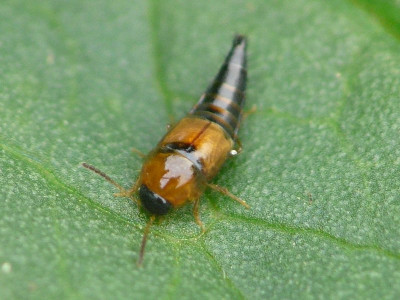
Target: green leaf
89,80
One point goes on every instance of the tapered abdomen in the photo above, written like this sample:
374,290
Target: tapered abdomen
223,101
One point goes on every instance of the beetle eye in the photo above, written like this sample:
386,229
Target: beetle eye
154,203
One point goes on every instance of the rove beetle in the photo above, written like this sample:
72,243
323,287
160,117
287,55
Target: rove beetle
192,152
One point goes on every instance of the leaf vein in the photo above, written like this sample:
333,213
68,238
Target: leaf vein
291,230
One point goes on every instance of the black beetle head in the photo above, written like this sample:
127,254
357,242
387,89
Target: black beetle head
153,202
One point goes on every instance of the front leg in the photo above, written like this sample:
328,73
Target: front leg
129,193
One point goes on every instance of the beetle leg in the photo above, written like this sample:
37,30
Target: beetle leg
247,113
227,193
196,214
129,193
138,152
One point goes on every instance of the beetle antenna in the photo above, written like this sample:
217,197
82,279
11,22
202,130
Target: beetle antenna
104,175
144,240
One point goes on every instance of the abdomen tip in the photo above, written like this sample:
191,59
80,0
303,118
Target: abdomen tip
239,38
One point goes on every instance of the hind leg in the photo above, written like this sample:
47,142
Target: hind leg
225,191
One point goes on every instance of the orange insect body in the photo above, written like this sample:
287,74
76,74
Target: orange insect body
186,158
178,170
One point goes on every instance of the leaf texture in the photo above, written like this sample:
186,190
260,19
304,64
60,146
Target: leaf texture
87,81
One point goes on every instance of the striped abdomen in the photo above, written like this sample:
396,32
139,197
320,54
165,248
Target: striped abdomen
223,101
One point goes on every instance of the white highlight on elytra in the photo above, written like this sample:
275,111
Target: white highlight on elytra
177,167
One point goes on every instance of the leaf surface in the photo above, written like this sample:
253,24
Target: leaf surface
87,81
